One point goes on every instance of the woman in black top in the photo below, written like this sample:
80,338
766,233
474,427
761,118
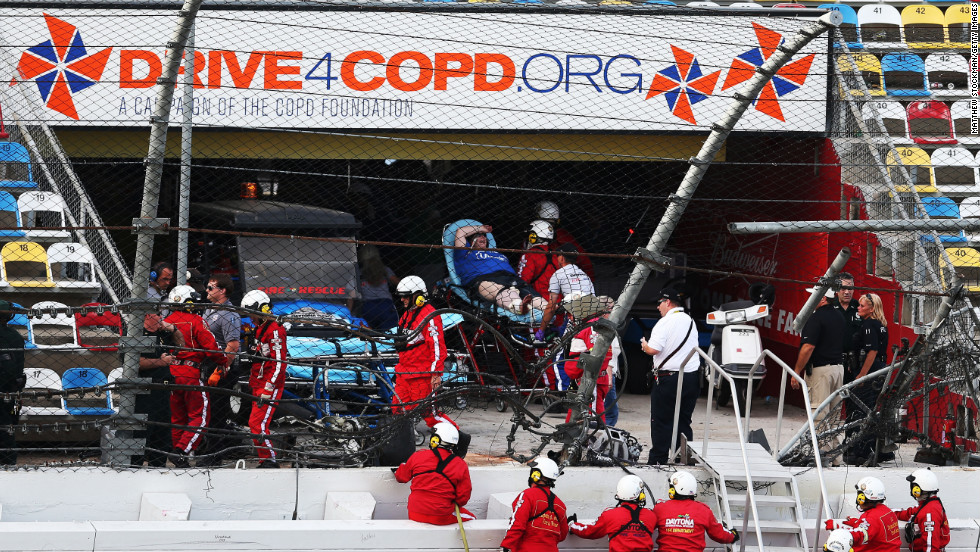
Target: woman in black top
871,346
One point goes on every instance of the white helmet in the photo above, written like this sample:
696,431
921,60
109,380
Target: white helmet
682,483
839,540
541,232
869,489
410,285
547,210
444,434
183,294
544,468
630,489
257,300
923,481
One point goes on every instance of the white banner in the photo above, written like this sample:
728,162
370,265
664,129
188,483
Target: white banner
446,70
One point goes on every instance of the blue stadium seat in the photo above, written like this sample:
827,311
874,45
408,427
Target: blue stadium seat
10,217
849,25
904,75
942,208
93,404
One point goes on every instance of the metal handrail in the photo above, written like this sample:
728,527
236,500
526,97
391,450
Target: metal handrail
779,421
713,369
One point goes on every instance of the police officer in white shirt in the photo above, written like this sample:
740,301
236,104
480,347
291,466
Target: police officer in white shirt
671,341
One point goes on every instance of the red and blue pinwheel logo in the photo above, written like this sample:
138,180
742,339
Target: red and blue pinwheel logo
683,84
789,78
61,66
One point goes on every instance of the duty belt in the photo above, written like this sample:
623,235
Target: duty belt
191,363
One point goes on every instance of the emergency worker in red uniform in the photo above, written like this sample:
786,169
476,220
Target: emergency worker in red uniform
927,529
440,479
268,375
537,264
538,522
422,357
876,530
628,525
682,521
548,212
583,342
189,407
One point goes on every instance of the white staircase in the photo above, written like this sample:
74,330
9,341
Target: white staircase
776,496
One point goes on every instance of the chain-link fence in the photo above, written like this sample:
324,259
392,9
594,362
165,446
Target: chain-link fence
339,171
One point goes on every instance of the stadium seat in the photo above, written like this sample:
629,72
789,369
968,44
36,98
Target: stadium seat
72,265
25,264
702,4
41,380
961,113
970,209
955,171
942,208
948,74
787,5
92,403
746,6
925,26
868,66
849,25
892,116
919,167
39,210
903,75
958,25
53,331
10,217
881,26
930,122
615,3
21,323
98,332
659,3
966,262
15,168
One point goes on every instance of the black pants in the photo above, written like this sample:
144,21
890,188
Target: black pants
662,399
867,394
8,447
156,405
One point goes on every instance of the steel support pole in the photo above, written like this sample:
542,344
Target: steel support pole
186,142
121,447
790,227
606,328
821,289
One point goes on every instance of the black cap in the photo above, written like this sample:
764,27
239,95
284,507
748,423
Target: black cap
567,248
671,294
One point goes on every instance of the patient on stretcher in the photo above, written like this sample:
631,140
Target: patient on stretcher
490,273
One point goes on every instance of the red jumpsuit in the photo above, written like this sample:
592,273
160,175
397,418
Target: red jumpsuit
681,525
536,268
425,357
189,408
267,379
439,480
583,342
629,526
931,525
876,530
538,522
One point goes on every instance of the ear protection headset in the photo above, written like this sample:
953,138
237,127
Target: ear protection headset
434,441
157,270
670,492
861,499
265,308
532,238
419,299
535,475
643,495
916,490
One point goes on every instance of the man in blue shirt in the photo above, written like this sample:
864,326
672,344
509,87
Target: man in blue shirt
490,273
